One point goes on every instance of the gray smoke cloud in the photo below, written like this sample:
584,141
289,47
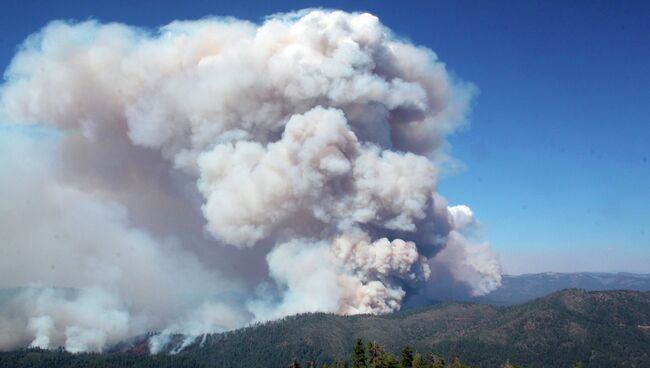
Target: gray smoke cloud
218,172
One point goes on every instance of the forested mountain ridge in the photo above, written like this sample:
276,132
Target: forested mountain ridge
599,329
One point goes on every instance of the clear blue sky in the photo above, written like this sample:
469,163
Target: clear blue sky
557,155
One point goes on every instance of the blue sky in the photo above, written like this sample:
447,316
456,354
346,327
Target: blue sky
557,155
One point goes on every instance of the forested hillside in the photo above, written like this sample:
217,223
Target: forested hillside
598,329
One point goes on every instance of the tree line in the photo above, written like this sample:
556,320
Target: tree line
364,355
373,355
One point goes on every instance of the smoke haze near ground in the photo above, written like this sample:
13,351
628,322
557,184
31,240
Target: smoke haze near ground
218,172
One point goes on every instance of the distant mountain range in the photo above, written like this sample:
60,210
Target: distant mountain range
522,288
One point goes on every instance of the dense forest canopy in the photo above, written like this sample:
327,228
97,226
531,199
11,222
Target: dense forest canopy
597,329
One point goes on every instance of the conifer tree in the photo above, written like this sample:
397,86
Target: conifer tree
387,360
406,360
420,361
374,352
359,355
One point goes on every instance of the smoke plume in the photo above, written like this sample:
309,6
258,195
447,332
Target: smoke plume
217,172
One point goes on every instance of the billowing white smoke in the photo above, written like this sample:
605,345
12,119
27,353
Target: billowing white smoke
306,146
56,235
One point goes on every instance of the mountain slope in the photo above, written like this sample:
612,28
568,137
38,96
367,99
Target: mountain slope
598,328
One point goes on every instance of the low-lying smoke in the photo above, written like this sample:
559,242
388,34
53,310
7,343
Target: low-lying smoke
218,172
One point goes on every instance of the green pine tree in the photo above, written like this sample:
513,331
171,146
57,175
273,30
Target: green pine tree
406,360
359,355
419,361
387,360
